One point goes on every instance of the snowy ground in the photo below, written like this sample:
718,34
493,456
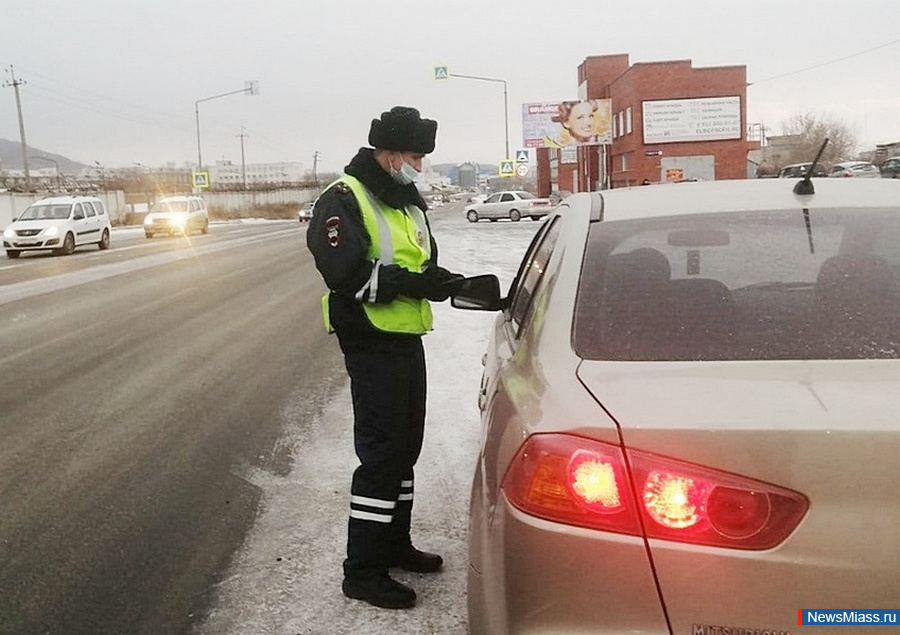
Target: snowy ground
286,579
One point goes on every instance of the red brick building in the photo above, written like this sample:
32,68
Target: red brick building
671,122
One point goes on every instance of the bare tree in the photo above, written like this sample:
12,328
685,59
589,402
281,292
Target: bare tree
811,130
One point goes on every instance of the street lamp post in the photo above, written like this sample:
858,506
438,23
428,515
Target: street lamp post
505,102
251,88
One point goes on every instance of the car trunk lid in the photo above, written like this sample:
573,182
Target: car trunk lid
825,429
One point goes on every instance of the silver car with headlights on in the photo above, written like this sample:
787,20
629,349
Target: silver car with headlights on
177,215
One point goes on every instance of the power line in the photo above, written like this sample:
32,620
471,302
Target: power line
809,68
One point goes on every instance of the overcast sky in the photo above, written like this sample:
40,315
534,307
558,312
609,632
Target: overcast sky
116,81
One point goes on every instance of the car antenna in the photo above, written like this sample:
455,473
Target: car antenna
805,185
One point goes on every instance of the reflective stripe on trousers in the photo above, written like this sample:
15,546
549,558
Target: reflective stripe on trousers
388,385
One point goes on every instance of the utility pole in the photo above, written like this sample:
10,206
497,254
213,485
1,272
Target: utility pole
315,164
243,164
15,84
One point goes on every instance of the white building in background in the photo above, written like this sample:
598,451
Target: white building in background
227,173
430,179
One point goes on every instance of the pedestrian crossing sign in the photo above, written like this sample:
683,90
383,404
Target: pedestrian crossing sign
200,180
507,168
441,72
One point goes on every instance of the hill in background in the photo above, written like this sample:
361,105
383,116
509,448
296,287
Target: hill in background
11,159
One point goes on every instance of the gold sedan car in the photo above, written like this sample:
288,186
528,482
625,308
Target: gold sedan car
691,410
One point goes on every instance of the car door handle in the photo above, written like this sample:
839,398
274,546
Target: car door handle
482,398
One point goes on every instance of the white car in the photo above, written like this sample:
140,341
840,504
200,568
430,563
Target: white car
177,215
511,204
858,169
305,213
58,224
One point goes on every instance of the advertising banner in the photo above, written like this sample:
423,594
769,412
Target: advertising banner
567,124
703,119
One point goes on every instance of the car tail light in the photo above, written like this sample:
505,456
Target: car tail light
583,482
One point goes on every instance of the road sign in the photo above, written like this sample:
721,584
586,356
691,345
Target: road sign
200,180
506,168
522,169
521,156
441,72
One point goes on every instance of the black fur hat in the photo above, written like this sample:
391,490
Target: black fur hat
403,129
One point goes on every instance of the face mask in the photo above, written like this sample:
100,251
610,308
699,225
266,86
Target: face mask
405,175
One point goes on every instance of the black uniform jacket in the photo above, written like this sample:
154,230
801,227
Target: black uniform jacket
339,243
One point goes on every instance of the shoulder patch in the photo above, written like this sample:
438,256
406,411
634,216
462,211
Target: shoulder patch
333,230
342,187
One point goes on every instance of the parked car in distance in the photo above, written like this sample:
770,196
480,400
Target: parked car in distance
177,215
305,213
862,169
799,170
689,413
59,224
890,169
511,204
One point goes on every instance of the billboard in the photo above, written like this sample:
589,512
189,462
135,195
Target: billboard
567,124
703,119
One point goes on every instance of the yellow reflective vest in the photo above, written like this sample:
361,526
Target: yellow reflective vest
399,237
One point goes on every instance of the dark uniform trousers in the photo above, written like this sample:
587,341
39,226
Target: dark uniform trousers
388,387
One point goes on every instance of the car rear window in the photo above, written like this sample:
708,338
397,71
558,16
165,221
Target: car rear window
746,286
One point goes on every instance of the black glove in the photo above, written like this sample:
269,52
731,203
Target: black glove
435,284
450,283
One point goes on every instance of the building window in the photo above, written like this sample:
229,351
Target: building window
628,120
624,162
621,123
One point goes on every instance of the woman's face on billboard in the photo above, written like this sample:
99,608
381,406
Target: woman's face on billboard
581,121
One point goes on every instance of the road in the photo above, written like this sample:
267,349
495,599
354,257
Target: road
176,445
133,400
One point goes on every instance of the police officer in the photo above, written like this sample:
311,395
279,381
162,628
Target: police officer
372,244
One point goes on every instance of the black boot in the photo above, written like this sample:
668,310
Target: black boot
381,591
411,559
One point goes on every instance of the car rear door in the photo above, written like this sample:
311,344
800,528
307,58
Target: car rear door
80,224
92,223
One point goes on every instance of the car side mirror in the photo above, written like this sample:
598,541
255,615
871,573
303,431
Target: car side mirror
479,293
78,216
